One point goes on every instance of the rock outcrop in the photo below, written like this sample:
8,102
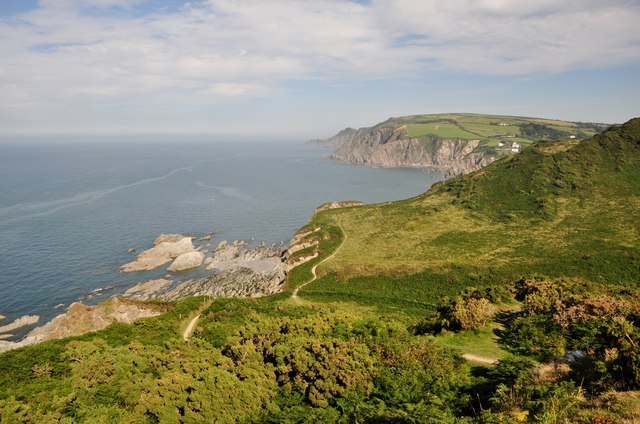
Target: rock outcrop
236,282
336,205
146,290
238,271
237,255
167,238
242,272
80,319
19,323
165,248
390,147
303,240
344,136
186,261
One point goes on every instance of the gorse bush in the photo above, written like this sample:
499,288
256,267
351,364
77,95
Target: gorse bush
470,314
602,324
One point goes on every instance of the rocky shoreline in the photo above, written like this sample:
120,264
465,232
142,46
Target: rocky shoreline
234,269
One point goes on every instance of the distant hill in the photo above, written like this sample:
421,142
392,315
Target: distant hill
454,143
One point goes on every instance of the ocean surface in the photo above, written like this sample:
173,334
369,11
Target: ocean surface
70,212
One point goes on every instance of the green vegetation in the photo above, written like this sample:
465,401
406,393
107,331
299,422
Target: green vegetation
441,129
533,261
482,343
558,208
494,131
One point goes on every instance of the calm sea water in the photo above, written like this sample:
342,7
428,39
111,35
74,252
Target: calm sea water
68,213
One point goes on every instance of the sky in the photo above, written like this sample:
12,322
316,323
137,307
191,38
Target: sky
308,68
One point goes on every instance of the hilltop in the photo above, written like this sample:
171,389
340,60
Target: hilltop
455,143
507,295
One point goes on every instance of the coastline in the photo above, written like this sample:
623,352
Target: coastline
237,269
66,243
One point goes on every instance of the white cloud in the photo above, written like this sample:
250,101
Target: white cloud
513,37
59,56
232,89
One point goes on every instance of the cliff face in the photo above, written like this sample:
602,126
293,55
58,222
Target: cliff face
345,136
389,147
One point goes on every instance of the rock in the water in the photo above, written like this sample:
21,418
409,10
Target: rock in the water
238,282
20,322
131,250
205,238
187,261
264,258
241,270
167,238
5,336
160,253
146,290
2,317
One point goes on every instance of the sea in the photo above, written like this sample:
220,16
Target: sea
69,212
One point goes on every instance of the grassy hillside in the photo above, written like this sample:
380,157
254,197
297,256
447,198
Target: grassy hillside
531,258
562,208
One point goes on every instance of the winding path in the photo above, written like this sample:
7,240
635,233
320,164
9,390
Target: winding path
187,331
294,295
479,359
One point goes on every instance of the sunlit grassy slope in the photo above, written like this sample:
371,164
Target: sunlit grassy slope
561,208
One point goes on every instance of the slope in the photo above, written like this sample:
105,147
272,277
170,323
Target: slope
559,208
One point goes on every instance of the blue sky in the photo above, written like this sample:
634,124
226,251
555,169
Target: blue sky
308,68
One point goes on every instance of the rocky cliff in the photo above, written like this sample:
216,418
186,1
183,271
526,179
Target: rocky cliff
344,136
390,147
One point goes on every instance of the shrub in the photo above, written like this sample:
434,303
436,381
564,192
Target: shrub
469,314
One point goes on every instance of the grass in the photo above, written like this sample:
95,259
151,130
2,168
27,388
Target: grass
489,129
483,343
440,129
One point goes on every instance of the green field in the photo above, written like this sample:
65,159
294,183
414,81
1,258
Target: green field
490,129
444,130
